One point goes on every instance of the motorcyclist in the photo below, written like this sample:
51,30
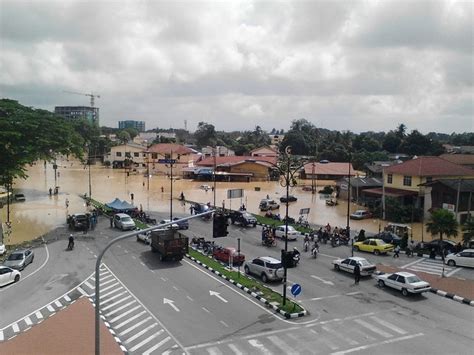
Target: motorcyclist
296,256
315,249
306,243
70,246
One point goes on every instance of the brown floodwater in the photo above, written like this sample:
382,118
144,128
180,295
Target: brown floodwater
42,212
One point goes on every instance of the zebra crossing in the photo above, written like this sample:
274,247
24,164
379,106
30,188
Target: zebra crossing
338,336
135,328
431,266
38,316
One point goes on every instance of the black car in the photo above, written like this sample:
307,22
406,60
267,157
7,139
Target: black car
291,198
447,245
78,221
181,224
389,237
243,218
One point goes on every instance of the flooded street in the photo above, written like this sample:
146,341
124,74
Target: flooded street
42,212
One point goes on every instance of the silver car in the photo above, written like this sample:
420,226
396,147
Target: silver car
266,267
20,259
123,222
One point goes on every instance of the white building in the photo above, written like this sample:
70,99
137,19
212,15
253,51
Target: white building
131,152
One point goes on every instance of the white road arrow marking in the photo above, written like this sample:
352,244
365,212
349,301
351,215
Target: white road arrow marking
322,280
171,303
214,293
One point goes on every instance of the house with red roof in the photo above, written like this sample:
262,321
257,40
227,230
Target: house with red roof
327,171
264,152
182,157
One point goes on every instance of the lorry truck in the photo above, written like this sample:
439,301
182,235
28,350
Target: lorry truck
170,244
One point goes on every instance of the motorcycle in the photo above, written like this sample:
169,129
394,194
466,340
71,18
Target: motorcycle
296,259
269,242
306,246
70,246
314,252
331,202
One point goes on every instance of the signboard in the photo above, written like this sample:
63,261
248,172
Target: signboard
295,289
166,161
449,207
325,196
304,211
235,193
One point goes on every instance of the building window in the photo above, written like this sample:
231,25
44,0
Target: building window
389,178
154,155
118,154
407,181
136,154
144,155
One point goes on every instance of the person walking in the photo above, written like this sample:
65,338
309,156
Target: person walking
396,252
411,249
67,203
356,274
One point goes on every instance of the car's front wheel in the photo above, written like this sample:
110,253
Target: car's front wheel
264,277
381,283
247,269
356,248
451,263
376,252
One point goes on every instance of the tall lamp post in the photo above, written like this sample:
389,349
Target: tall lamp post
89,163
348,228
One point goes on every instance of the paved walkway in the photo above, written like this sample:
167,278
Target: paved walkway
70,331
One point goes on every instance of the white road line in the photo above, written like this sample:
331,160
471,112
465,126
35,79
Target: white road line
84,293
88,285
140,333
109,287
135,326
50,308
105,277
235,349
412,263
15,327
124,314
281,344
175,288
373,328
189,298
67,298
116,303
120,308
224,323
39,315
341,337
147,340
163,279
206,310
363,347
58,304
109,293
156,346
2,338
104,302
388,325
256,344
134,257
106,282
28,321
214,351
125,322
453,272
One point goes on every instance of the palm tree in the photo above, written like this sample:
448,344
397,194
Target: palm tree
468,229
443,222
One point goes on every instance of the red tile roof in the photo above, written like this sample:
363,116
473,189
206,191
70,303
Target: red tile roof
167,148
461,159
329,169
234,159
429,166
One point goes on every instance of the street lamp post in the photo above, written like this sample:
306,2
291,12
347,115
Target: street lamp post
89,163
348,228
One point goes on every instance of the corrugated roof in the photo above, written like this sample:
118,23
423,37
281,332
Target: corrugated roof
461,159
167,148
464,185
429,166
329,169
234,159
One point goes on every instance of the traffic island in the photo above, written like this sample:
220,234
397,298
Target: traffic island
265,295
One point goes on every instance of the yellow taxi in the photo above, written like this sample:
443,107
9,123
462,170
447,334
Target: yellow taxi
376,246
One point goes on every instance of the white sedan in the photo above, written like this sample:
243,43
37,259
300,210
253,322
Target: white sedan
463,258
2,249
348,265
8,275
292,232
404,282
144,237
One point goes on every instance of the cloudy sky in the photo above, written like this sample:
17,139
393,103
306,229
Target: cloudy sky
343,65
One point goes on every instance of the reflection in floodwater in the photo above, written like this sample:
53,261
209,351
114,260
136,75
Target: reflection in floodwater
42,212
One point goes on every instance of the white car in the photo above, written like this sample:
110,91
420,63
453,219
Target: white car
144,237
463,258
8,275
173,226
3,249
266,267
348,265
405,282
292,232
124,222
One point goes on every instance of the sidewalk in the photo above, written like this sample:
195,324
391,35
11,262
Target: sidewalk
452,285
70,331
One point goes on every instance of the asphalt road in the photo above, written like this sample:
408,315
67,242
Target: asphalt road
176,307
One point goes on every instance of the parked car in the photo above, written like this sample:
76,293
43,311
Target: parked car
19,259
389,237
181,224
227,255
174,225
292,232
243,218
376,246
3,249
144,237
78,221
291,198
348,265
405,282
268,204
20,198
200,208
8,275
123,222
447,245
463,258
361,214
266,267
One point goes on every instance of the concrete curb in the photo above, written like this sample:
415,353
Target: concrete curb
442,293
250,292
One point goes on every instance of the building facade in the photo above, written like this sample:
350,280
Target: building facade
138,125
78,112
129,155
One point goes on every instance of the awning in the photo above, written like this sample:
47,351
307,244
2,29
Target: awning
389,191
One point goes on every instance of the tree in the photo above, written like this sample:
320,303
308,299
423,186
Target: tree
468,229
391,142
133,132
205,135
443,222
123,137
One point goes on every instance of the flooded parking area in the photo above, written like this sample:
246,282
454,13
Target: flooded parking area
42,212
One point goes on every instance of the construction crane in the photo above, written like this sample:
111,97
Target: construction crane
92,96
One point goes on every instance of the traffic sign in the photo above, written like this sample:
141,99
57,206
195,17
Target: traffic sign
304,211
166,161
295,289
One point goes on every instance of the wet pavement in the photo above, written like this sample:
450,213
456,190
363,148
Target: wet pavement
41,212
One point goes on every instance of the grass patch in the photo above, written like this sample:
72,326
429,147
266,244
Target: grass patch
274,223
267,293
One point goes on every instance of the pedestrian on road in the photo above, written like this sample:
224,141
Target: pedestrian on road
411,249
356,274
191,209
67,203
50,191
111,221
396,252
